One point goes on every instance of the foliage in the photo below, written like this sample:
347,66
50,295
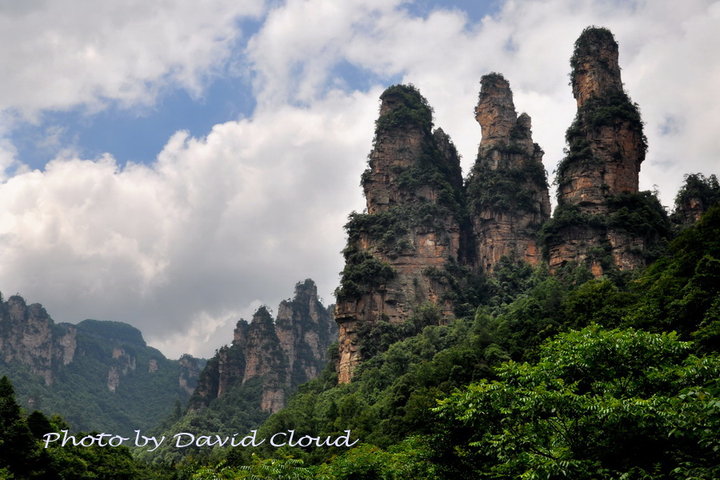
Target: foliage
23,454
597,405
260,469
410,458
363,272
696,188
466,288
568,216
509,279
389,229
507,189
681,289
407,108
80,389
639,214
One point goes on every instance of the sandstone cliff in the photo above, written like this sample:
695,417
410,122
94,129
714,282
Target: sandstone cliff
598,178
30,337
507,188
397,251
281,354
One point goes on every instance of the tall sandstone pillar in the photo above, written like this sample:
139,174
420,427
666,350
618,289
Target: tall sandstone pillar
507,190
397,252
599,175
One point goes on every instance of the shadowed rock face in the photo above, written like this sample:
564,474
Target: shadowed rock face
284,353
413,188
507,189
606,147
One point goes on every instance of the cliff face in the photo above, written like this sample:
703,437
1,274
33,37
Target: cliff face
412,229
507,188
98,375
282,353
599,176
30,337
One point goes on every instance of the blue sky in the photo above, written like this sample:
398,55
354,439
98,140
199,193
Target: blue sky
138,133
174,164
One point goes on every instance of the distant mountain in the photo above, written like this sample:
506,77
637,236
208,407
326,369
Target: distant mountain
283,352
268,359
98,375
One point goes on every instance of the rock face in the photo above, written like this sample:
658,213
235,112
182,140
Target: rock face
282,353
99,375
507,188
425,237
397,251
29,336
599,176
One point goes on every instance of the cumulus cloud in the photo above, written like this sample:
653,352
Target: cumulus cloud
197,239
61,54
670,66
185,244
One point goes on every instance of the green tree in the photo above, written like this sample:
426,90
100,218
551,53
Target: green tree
18,450
598,404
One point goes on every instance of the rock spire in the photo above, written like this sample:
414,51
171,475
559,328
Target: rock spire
426,236
280,353
598,178
507,188
397,251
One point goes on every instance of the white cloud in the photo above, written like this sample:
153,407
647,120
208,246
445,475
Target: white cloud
670,66
61,54
185,243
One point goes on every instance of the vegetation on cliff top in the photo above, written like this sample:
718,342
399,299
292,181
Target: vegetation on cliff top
407,108
507,190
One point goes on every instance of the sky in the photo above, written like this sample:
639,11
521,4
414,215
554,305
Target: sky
176,164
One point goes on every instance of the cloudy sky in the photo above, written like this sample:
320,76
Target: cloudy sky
175,164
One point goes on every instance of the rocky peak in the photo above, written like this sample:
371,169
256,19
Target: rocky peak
403,136
240,333
495,111
189,373
304,328
507,189
606,143
425,233
30,337
282,353
598,179
412,229
695,197
595,67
